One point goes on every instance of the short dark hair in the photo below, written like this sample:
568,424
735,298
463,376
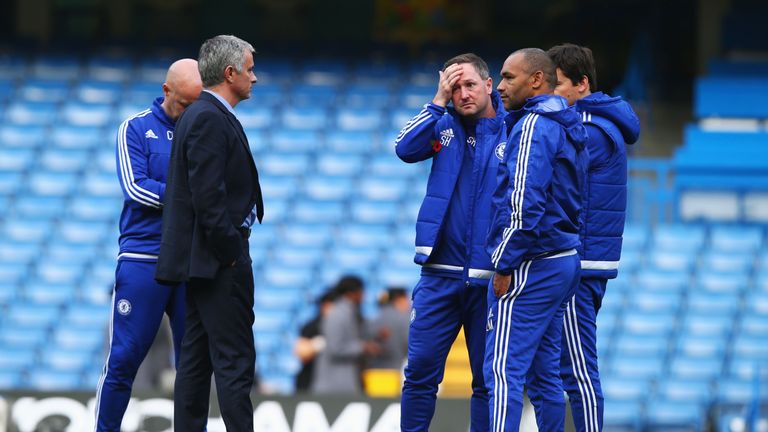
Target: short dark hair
538,60
480,65
575,62
348,284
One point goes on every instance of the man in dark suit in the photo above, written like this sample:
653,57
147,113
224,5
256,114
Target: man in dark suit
212,199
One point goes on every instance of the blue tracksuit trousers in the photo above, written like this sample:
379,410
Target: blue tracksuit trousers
523,340
578,360
138,305
441,305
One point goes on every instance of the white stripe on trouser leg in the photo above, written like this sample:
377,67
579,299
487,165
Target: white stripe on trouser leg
501,345
104,371
579,365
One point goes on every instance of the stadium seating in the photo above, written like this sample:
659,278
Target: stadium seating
682,331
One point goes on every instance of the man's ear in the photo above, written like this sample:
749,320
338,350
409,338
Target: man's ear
489,85
229,71
583,85
537,80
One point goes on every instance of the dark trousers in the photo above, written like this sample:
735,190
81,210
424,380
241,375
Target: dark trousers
218,340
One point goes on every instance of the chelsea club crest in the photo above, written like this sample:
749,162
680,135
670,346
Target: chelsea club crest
500,150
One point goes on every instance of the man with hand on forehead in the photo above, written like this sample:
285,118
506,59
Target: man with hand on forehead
465,142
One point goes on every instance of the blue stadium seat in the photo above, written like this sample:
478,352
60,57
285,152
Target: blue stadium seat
16,159
636,366
750,346
736,262
59,272
742,368
66,359
98,91
9,182
312,234
153,69
415,96
16,358
294,140
9,292
666,260
736,392
701,346
405,276
44,90
27,230
319,211
369,211
754,323
722,282
373,236
87,114
23,336
284,163
290,277
667,302
323,72
86,339
268,95
628,343
387,164
699,368
80,137
53,184
59,67
38,207
349,257
85,314
322,188
94,209
10,379
743,239
64,160
31,113
712,94
677,389
18,252
351,141
620,389
668,415
622,416
651,279
81,232
361,96
266,298
375,73
32,314
308,95
359,119
339,164
304,118
680,237
44,379
287,255
703,301
382,188
648,323
278,186
253,116
270,321
141,94
28,136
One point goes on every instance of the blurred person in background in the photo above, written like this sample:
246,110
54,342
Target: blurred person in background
138,301
465,143
310,342
611,125
338,368
213,200
390,329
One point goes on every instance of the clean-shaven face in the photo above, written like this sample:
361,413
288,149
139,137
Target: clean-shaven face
471,95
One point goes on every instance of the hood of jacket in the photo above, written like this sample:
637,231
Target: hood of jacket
614,109
556,108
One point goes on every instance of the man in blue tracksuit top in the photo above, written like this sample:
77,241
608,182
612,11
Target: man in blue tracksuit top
465,143
138,301
611,124
532,241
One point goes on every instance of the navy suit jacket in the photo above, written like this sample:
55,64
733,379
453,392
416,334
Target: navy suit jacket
212,185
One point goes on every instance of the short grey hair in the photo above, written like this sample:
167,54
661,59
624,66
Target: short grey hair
219,52
536,59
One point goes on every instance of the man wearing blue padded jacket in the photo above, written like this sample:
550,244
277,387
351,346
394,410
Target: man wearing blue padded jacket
532,241
611,124
138,301
465,144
